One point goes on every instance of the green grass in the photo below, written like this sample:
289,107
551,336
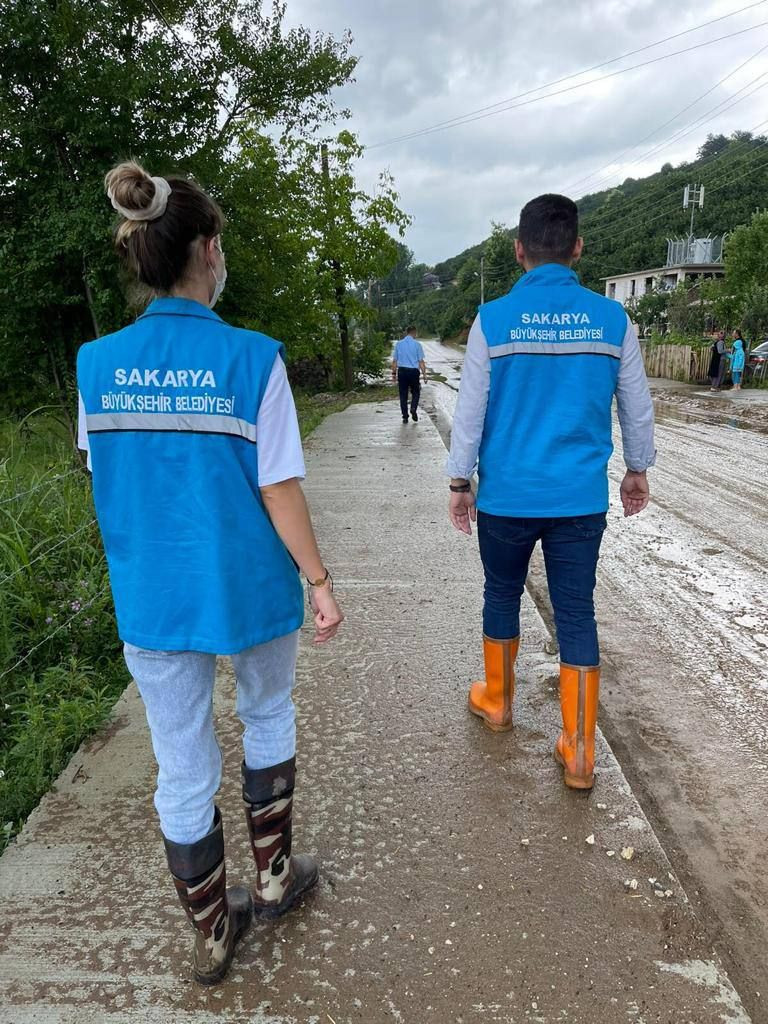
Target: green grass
55,602
60,665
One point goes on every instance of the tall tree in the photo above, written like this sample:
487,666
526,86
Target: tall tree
746,253
501,266
84,83
352,228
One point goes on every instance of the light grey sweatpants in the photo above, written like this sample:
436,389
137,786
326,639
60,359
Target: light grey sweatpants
177,690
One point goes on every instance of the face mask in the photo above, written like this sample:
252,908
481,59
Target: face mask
220,282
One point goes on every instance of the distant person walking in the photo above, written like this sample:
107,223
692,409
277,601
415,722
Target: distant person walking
407,361
542,368
193,441
718,362
738,358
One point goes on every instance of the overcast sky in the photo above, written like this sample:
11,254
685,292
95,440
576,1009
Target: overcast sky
424,63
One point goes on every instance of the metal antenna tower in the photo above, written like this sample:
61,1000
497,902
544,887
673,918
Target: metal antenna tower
693,196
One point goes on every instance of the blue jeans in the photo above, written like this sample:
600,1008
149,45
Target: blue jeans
571,549
177,690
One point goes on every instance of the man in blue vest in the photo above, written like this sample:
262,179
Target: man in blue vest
407,361
542,367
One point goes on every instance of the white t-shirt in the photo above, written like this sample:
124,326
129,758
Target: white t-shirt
278,437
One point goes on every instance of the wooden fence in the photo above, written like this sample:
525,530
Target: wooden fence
676,362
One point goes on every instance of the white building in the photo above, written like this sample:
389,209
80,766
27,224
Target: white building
691,259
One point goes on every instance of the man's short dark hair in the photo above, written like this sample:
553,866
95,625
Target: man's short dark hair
549,227
410,328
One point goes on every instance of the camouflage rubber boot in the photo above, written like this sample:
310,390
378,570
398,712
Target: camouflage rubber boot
281,877
220,916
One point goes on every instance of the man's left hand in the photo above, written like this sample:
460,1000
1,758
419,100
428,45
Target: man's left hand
634,491
462,511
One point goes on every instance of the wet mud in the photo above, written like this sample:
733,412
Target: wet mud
682,607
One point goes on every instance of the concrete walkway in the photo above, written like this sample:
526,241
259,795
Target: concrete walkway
461,881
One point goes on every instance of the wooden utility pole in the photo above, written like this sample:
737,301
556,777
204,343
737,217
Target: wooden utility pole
370,307
340,288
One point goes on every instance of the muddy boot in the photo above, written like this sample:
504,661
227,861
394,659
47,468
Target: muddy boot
281,877
220,916
491,698
575,750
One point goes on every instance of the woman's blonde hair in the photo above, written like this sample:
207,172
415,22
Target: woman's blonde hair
158,247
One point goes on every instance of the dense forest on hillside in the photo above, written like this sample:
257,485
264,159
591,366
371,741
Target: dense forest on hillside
625,228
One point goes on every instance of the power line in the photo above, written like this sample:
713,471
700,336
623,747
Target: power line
715,112
710,189
513,104
638,216
424,286
641,217
576,74
671,120
634,218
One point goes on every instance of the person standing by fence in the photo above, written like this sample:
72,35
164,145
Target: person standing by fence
542,367
193,441
407,361
718,362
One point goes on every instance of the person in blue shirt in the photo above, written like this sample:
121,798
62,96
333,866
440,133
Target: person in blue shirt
193,443
407,361
543,366
738,359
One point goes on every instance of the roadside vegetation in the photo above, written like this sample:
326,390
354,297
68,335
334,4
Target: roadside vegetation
61,666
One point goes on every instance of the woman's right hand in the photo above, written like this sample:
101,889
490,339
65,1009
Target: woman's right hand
328,615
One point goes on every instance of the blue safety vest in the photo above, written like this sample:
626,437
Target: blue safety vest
555,350
171,408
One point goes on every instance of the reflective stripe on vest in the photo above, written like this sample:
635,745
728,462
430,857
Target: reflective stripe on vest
555,348
197,423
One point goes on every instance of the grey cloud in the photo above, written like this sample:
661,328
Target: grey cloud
422,64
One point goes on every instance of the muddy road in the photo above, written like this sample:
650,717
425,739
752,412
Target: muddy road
682,607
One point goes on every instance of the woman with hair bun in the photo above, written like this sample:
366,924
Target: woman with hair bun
194,446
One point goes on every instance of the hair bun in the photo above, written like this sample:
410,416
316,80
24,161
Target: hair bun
130,186
135,194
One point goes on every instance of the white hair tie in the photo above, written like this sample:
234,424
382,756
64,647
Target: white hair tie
155,209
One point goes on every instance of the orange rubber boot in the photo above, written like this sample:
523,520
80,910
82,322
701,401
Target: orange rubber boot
491,698
575,750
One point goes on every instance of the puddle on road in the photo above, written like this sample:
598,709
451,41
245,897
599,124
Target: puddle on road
665,412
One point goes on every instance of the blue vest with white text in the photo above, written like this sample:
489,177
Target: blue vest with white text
171,408
555,351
